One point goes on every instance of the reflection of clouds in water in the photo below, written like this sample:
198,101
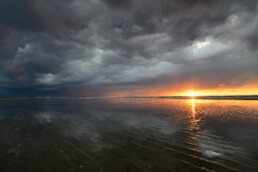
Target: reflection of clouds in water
98,121
91,126
84,128
129,120
211,153
214,150
44,117
77,126
135,121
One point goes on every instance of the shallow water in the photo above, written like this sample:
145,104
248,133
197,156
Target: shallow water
128,135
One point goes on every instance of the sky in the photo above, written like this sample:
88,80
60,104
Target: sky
128,47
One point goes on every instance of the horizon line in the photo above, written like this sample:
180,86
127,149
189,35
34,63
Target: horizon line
225,97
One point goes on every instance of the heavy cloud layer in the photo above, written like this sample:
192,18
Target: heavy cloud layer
100,46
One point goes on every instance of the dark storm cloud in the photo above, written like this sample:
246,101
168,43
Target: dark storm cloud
123,4
91,45
41,15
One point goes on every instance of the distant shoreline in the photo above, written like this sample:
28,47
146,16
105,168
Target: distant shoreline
20,98
242,97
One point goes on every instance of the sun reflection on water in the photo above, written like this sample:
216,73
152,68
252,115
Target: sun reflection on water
194,122
193,108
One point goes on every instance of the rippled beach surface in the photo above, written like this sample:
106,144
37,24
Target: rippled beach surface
128,135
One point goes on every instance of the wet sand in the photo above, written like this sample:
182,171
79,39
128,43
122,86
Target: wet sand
129,135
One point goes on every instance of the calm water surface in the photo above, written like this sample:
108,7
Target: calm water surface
128,135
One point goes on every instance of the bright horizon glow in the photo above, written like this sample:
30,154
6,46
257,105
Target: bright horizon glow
192,94
184,91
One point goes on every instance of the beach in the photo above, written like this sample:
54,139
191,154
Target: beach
128,134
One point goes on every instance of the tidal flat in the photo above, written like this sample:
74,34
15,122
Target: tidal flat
128,134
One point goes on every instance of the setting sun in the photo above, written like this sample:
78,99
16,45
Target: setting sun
192,94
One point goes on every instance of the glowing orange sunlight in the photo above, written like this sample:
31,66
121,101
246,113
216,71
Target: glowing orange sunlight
184,90
192,94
